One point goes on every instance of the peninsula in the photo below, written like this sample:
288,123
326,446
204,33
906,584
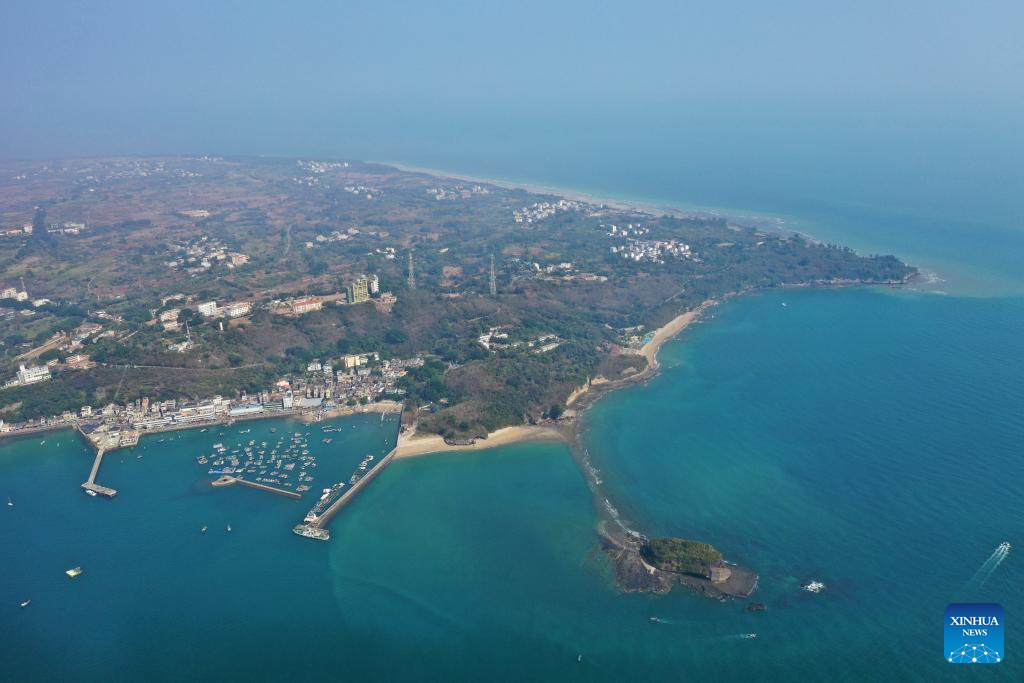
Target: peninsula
479,306
151,293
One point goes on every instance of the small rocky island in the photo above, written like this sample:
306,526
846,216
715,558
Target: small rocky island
657,564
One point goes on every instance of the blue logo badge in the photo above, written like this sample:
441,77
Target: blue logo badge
974,633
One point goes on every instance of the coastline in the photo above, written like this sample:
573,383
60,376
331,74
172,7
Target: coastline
786,224
641,206
670,329
411,445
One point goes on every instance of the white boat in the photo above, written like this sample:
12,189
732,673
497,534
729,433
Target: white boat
76,571
26,603
229,527
750,636
1004,547
203,530
813,586
91,492
10,503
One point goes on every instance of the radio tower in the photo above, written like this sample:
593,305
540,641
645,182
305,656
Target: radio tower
494,280
411,281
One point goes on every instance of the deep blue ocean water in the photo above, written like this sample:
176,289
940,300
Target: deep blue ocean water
868,438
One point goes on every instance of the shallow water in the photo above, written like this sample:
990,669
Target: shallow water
856,437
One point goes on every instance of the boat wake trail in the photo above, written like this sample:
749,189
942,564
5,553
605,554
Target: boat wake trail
989,566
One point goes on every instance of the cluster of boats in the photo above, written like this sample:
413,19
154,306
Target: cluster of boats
364,465
287,462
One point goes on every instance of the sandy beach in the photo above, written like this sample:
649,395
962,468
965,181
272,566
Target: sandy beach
410,445
670,330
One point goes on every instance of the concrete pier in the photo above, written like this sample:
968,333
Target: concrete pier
226,480
90,483
344,499
318,528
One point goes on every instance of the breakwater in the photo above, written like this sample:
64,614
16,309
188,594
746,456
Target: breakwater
227,480
315,525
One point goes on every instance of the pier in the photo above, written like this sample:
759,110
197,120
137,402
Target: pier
317,528
226,480
90,483
346,497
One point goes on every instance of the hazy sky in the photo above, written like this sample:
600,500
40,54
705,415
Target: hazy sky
86,77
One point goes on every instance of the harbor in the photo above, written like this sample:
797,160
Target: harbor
314,525
283,462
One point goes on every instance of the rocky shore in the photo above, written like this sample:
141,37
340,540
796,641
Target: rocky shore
635,575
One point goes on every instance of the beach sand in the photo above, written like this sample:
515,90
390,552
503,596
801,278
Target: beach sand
670,330
410,445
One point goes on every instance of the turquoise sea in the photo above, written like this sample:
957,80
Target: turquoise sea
868,438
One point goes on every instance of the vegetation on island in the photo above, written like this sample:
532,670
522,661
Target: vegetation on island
681,556
575,284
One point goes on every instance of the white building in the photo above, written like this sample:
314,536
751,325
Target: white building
13,293
237,309
33,374
208,309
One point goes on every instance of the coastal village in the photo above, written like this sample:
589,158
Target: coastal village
328,387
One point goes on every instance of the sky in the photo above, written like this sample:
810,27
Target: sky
80,75
738,90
